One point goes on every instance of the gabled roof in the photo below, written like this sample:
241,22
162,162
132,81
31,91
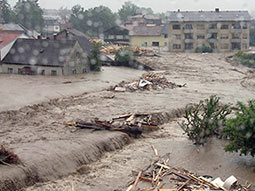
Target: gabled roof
186,16
83,39
11,27
116,30
40,52
8,37
146,31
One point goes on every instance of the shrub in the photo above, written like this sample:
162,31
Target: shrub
245,59
95,57
241,130
204,119
124,55
204,49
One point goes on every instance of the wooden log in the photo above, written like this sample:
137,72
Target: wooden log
182,186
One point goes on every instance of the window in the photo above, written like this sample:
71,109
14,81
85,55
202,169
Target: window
74,71
245,26
84,70
235,36
176,36
212,26
236,26
213,36
78,55
224,46
144,44
10,70
188,26
245,36
166,36
176,27
19,71
200,36
188,46
224,36
176,46
189,36
200,26
155,43
43,72
224,26
245,46
53,72
165,43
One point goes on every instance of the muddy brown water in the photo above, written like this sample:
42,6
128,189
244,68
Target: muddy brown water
35,132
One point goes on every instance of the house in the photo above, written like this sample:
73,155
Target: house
143,20
19,28
223,31
7,39
149,36
46,57
51,25
73,34
117,35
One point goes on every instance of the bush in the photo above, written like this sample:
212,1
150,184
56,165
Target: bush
245,59
204,119
204,49
124,55
241,130
95,58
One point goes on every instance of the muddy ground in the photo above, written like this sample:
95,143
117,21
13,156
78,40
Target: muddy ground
50,150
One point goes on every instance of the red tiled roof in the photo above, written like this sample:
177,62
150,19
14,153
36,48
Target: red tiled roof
7,37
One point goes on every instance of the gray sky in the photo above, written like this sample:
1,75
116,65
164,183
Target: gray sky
156,5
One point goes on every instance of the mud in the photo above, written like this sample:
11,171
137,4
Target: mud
35,132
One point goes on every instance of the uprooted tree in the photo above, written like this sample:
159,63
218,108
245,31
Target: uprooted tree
205,119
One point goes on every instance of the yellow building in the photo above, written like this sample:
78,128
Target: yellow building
223,31
149,36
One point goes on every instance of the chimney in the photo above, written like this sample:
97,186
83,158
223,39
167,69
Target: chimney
179,10
217,10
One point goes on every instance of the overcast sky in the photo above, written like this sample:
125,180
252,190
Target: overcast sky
156,5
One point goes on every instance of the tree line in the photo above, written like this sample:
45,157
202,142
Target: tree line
92,21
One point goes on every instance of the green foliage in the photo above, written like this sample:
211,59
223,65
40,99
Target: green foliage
92,21
124,55
241,130
95,58
29,14
6,13
204,49
245,59
128,9
204,119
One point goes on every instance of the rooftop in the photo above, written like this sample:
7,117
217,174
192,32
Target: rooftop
217,15
147,31
40,52
7,37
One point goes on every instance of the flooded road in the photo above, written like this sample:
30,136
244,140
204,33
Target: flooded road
40,127
17,91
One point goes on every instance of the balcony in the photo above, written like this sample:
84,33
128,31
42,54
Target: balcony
236,40
188,40
213,30
212,40
188,30
236,30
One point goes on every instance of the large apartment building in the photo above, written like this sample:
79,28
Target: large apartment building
223,31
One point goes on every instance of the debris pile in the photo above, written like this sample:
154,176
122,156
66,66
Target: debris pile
132,124
7,157
149,81
159,176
